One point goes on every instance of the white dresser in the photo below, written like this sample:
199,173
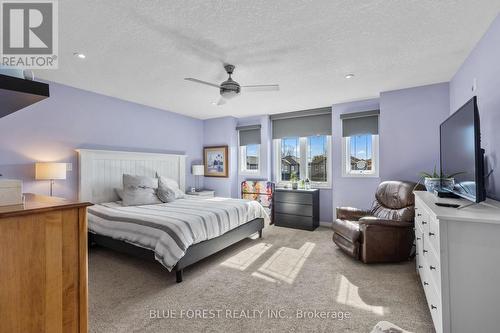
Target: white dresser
458,260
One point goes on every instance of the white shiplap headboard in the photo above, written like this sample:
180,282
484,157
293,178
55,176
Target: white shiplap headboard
101,171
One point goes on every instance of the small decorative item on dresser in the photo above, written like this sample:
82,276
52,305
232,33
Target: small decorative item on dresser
437,182
307,184
294,180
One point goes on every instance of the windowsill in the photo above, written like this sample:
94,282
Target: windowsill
313,186
249,173
360,176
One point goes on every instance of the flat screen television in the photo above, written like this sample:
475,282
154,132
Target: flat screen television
461,154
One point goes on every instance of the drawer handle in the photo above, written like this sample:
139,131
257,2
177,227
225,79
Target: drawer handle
420,266
432,267
418,214
433,307
423,222
425,251
418,238
425,283
431,234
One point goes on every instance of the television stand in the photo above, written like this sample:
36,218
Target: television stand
457,251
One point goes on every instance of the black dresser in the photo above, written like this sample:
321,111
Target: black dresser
296,208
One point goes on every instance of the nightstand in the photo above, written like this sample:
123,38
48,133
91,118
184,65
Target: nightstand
296,208
203,193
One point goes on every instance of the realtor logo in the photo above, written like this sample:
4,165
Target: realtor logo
29,34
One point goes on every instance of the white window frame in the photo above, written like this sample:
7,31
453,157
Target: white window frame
303,150
346,162
242,161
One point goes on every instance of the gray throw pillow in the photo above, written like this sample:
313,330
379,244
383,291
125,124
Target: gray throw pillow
139,190
168,190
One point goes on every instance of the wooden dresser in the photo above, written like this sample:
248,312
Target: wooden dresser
43,266
296,208
457,261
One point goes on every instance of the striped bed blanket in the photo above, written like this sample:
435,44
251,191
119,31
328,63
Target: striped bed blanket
170,228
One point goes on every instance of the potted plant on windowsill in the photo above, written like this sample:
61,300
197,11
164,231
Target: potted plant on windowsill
294,180
434,181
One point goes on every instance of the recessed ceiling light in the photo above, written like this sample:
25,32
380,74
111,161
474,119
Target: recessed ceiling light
79,55
349,76
214,103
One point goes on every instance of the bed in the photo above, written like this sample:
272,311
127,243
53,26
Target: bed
176,234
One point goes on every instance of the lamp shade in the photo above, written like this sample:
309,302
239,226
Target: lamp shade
198,170
50,171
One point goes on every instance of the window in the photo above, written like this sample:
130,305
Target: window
306,157
317,151
302,146
359,155
249,145
360,144
249,158
290,158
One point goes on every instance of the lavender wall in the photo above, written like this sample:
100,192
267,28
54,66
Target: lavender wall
71,118
483,65
409,139
219,132
350,191
409,130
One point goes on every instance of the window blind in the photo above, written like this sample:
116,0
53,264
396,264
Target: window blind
302,123
359,123
249,135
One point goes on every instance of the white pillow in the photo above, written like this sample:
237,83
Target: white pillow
139,190
168,190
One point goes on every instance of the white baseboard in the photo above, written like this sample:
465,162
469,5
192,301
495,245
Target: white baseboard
325,224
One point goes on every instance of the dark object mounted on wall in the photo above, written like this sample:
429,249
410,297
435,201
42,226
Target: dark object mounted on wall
16,94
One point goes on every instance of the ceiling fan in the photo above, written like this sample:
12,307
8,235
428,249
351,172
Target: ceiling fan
230,88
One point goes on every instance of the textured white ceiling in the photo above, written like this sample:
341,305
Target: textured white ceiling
141,50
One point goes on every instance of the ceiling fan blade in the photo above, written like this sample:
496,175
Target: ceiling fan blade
202,82
222,101
262,87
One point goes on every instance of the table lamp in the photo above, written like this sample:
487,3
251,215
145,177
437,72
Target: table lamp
198,170
50,171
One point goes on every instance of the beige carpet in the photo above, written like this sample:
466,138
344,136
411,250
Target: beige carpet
271,279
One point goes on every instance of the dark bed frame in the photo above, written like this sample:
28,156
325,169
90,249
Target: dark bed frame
193,254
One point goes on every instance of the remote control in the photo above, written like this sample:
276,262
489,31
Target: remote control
442,204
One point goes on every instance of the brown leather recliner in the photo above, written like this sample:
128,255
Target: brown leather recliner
385,232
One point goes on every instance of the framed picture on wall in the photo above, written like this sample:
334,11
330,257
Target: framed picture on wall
216,160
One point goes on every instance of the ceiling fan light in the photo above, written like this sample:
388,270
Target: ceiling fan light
229,94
